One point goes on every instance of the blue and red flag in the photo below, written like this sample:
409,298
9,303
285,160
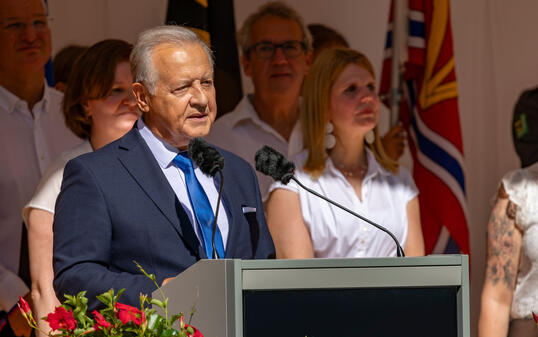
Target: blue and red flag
429,111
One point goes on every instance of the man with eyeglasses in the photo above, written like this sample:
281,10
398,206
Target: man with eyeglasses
276,50
32,134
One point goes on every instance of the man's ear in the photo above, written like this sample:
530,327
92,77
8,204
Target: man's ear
245,62
309,58
141,94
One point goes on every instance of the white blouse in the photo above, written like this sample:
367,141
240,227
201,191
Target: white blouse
522,188
50,185
336,233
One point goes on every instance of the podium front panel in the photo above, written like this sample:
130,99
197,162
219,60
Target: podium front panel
422,296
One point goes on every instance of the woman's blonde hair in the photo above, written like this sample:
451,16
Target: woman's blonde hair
316,104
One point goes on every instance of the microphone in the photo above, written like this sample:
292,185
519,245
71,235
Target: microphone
210,161
272,163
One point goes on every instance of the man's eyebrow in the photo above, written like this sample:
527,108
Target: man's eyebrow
14,18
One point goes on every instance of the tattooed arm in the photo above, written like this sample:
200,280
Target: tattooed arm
503,247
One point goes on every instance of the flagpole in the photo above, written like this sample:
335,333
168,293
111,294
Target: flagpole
395,63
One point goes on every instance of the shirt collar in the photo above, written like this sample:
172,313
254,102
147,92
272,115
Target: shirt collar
9,101
245,110
164,153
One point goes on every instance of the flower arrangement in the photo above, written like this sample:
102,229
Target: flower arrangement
71,319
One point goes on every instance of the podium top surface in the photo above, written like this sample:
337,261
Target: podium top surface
430,260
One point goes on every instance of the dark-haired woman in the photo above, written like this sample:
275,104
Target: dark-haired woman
98,107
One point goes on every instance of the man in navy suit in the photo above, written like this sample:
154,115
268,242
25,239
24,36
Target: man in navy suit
129,200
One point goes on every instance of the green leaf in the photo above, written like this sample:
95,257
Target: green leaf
119,294
154,320
175,318
190,330
157,303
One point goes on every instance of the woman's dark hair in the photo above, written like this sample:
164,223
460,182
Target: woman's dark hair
92,78
64,61
323,35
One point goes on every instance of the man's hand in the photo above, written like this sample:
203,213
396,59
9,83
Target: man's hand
18,323
394,142
166,280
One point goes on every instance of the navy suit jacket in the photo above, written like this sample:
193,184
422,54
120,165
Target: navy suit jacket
116,206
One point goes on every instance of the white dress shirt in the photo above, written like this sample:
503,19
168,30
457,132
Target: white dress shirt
164,154
27,146
242,132
336,233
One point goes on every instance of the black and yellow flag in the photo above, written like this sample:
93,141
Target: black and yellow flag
213,21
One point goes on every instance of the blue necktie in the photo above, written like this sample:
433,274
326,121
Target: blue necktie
201,206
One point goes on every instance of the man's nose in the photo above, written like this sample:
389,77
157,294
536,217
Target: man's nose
29,32
279,57
199,99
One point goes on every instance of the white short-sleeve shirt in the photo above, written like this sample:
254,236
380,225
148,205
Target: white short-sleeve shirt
50,185
522,188
336,233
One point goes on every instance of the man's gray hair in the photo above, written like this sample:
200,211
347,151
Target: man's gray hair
273,8
141,57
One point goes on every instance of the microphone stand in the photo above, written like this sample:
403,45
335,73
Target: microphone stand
215,254
399,250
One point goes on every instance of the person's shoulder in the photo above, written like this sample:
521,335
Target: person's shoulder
403,173
66,156
54,96
520,181
104,155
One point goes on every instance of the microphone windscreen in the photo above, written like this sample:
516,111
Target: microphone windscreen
206,157
272,163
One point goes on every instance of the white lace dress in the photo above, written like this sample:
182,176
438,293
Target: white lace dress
522,188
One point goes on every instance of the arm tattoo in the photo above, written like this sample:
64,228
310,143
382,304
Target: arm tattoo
503,244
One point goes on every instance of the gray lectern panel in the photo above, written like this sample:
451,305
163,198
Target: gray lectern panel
224,289
381,277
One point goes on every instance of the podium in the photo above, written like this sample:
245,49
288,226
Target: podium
412,296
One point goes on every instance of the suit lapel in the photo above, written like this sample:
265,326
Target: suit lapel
233,216
138,160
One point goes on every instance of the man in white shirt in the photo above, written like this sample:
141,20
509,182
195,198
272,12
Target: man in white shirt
277,54
32,133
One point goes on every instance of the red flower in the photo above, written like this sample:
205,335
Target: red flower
128,314
61,319
100,321
196,333
535,317
24,306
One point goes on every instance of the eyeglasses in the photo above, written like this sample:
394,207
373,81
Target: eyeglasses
18,26
266,50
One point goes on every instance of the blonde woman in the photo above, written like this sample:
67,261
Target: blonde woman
344,160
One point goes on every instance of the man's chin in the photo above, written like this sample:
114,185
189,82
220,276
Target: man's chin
199,131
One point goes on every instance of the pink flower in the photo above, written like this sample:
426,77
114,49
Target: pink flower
61,319
128,314
100,321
